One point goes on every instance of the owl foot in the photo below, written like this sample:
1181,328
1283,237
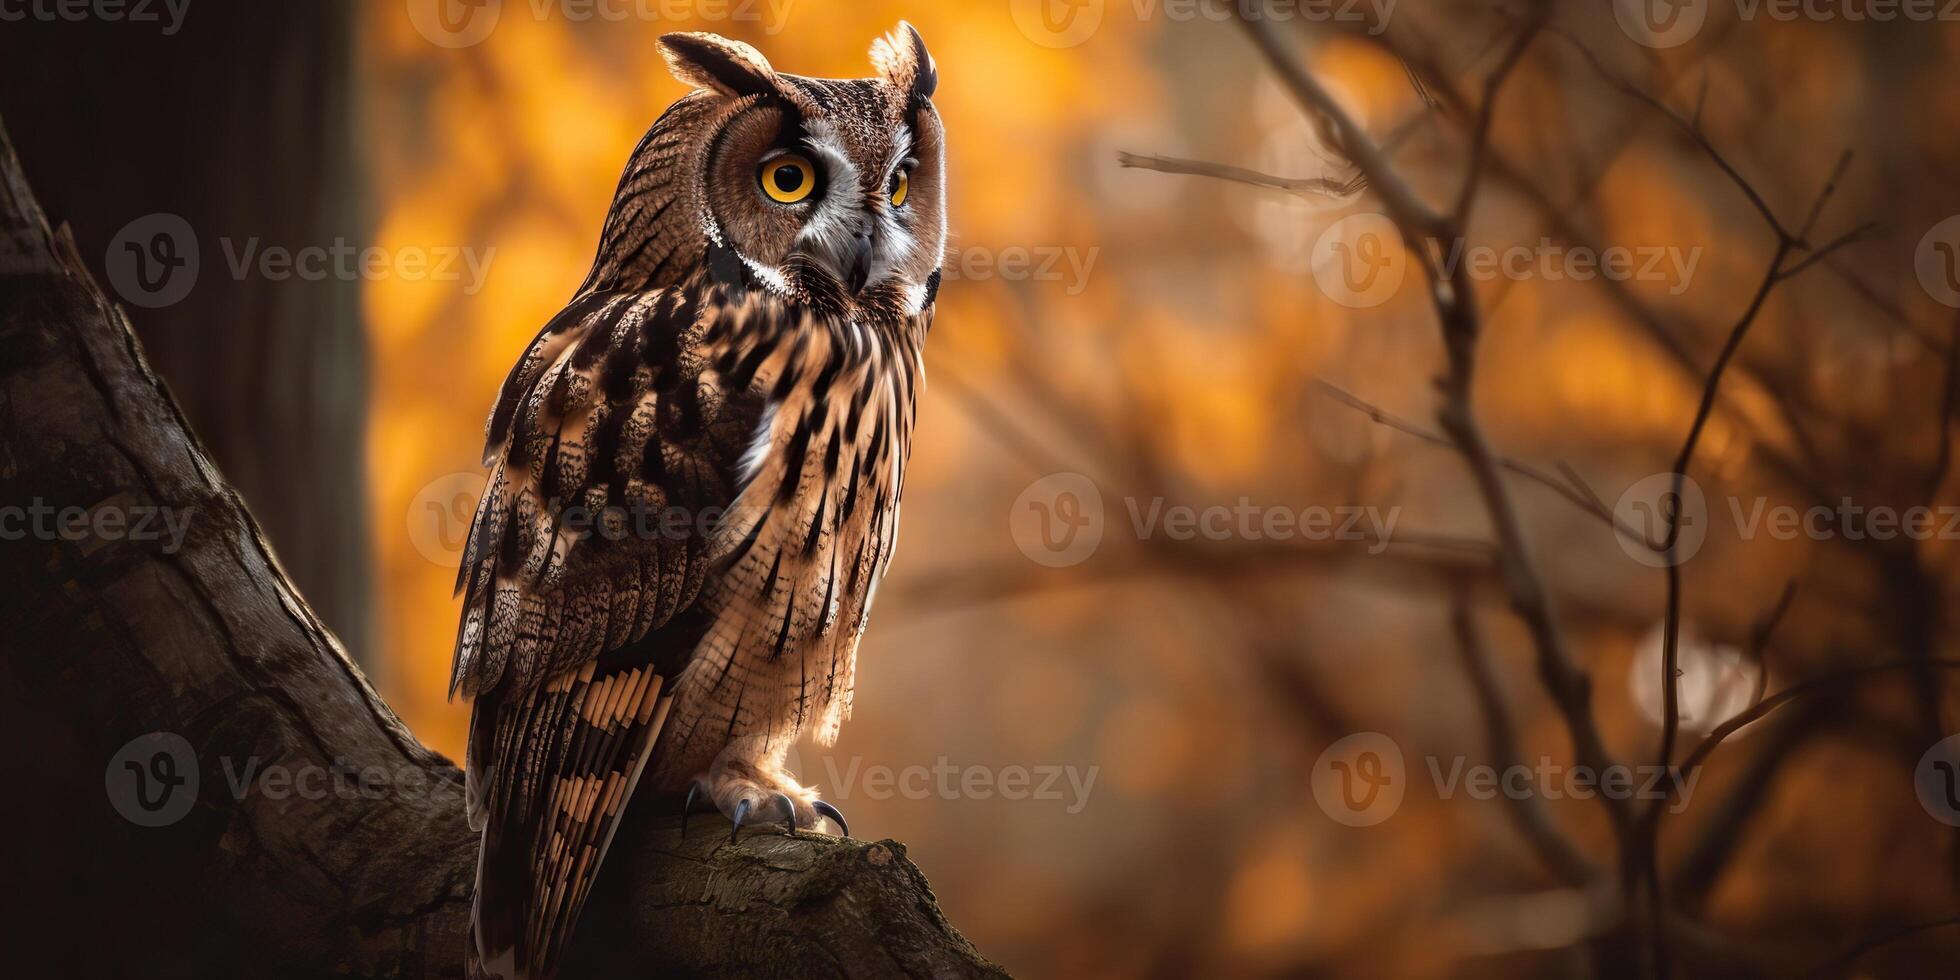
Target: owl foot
747,796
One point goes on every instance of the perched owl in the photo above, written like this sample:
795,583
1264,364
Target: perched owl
694,475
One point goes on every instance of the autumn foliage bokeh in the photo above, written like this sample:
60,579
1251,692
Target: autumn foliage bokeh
1176,350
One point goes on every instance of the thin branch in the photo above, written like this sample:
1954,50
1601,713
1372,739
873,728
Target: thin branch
1671,636
1857,234
1670,647
1338,130
1688,128
1824,682
1303,186
1501,737
1480,144
1568,486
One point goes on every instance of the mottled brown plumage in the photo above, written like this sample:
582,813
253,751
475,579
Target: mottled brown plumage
695,472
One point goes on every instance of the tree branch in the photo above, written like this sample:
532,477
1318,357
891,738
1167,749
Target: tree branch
300,830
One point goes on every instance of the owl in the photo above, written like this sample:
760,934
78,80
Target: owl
695,471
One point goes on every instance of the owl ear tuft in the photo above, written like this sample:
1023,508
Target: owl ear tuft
902,59
714,62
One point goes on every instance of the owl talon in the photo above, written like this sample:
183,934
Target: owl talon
741,812
824,808
688,806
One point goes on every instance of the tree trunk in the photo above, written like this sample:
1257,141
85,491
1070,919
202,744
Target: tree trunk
205,784
238,123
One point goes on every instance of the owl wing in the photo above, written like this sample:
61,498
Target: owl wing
606,453
587,550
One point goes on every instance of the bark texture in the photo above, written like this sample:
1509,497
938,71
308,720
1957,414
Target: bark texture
300,830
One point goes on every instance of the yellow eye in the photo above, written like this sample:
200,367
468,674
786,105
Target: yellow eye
788,179
901,185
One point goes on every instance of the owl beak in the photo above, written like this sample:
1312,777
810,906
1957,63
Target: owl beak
860,271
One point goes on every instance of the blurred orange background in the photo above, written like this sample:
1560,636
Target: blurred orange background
1174,350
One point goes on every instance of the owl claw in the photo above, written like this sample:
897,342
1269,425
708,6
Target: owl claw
825,808
688,806
755,797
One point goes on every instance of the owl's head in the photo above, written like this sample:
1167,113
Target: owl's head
828,191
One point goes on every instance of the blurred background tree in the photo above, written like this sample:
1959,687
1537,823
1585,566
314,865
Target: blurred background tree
1190,341
241,121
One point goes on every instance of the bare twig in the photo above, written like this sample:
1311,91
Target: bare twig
1303,186
1480,142
1787,243
1340,131
1824,682
1501,737
1568,485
